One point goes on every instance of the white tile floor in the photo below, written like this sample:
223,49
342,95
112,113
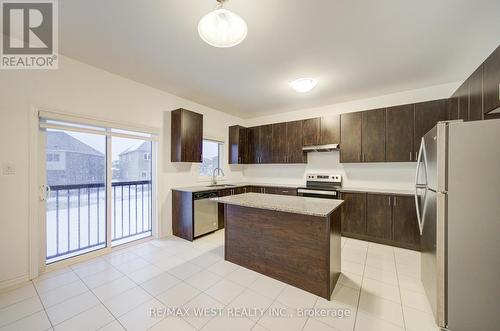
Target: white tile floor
380,287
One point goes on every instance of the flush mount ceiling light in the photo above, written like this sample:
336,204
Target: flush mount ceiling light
303,85
222,28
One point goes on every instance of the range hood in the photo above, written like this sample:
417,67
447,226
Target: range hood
321,148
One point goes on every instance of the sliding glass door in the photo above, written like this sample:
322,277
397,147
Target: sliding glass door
131,190
75,207
97,187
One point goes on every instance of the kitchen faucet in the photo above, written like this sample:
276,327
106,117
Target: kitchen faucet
214,180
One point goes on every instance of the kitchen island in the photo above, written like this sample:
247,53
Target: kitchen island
292,239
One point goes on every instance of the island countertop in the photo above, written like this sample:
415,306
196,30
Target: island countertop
283,203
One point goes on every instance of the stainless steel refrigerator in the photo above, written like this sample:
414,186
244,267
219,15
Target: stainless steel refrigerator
457,196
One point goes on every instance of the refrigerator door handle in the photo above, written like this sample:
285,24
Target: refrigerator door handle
421,158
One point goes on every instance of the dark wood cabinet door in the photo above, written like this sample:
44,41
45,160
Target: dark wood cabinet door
186,136
399,134
294,153
279,146
253,145
452,107
330,129
234,141
243,146
476,95
311,131
354,213
463,101
350,136
192,136
378,216
405,226
373,135
427,114
491,79
237,145
266,143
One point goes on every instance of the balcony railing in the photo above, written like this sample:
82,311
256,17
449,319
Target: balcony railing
76,216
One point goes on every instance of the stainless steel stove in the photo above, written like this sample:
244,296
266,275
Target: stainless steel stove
321,186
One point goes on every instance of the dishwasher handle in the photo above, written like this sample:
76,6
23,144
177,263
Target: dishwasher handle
205,195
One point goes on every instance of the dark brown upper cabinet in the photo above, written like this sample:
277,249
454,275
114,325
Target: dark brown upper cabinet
476,95
330,129
427,114
294,153
253,149
379,216
462,95
266,143
186,136
491,81
238,137
373,135
260,144
399,133
311,132
350,133
354,213
452,108
279,153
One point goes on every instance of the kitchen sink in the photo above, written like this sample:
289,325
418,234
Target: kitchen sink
221,185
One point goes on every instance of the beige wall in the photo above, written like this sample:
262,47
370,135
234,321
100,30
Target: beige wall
81,89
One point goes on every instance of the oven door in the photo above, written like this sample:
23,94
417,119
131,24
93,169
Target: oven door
324,194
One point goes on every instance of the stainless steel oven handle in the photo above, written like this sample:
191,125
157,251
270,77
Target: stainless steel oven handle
332,193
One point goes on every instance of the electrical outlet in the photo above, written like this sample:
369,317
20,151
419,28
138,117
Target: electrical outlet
8,169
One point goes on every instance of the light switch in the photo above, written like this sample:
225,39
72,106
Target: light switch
8,169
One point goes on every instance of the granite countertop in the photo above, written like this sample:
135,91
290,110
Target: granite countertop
290,204
203,188
377,190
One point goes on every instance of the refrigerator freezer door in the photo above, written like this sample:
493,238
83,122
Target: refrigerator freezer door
435,142
473,226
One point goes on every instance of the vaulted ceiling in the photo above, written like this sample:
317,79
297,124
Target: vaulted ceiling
355,48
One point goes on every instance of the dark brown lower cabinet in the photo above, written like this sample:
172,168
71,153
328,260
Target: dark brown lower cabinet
382,218
405,226
354,213
378,216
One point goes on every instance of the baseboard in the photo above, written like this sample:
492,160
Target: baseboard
382,241
6,285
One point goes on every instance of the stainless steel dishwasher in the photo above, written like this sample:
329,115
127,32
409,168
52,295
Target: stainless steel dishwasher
205,213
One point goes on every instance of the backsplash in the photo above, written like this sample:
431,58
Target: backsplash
356,175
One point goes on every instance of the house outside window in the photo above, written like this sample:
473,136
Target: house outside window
212,157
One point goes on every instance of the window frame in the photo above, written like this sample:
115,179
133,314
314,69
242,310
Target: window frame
204,178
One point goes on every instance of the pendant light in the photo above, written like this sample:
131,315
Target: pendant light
222,28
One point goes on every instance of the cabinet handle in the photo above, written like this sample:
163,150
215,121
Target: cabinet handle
394,201
416,156
364,157
389,201
410,156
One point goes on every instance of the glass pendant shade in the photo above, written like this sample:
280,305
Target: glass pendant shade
222,28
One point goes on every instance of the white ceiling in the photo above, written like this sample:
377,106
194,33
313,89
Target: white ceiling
355,48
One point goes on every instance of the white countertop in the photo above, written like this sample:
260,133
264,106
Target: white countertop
289,204
377,190
203,188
